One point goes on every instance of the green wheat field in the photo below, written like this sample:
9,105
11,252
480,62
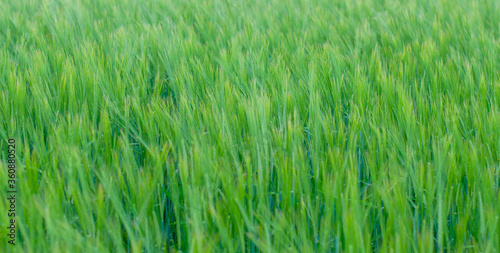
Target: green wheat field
251,126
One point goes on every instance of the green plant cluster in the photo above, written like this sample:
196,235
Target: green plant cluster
252,126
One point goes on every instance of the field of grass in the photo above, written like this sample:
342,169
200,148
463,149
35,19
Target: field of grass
251,126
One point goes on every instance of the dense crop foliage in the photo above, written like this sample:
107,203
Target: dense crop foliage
247,126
